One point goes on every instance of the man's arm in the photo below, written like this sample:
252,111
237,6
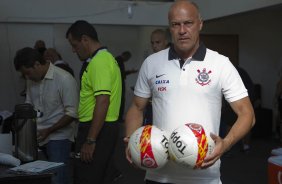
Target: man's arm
99,116
64,121
245,121
134,119
134,116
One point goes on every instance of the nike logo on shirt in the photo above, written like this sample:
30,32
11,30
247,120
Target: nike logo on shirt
157,76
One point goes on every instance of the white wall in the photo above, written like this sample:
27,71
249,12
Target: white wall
14,36
260,46
115,11
259,34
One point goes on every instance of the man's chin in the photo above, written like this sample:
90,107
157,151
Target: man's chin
185,47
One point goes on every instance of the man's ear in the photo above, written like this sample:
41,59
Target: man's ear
201,25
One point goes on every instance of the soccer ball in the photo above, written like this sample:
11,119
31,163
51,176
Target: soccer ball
189,144
148,147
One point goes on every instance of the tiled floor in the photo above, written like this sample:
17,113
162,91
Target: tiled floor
237,167
250,168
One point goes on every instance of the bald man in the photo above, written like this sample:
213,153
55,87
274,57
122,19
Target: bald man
188,88
54,57
159,40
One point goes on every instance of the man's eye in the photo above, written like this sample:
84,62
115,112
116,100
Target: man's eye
174,24
188,23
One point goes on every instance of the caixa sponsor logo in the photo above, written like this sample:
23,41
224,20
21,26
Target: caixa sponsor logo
162,82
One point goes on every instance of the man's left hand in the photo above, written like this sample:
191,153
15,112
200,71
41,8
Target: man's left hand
43,134
86,152
217,152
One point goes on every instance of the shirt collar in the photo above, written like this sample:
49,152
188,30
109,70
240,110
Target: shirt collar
87,61
59,62
199,55
96,51
50,72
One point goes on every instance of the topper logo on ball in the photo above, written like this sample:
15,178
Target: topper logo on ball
164,143
179,144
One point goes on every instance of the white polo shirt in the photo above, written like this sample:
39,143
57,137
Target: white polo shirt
191,93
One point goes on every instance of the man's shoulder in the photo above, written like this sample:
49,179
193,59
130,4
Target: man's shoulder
216,58
59,71
214,53
102,56
62,76
65,67
104,53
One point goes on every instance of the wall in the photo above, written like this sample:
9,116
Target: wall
259,35
115,11
14,36
260,45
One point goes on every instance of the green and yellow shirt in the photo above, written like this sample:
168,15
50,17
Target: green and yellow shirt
101,77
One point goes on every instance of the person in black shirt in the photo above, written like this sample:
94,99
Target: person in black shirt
121,59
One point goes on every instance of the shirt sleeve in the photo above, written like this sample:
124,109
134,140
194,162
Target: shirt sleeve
232,85
142,87
70,96
100,75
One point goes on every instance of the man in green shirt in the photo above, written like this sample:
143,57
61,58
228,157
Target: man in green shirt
100,97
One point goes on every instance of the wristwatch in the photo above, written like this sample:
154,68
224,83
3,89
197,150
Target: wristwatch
90,141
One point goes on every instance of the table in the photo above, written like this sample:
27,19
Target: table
7,177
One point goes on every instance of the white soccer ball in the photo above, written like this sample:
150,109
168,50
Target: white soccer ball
148,147
189,144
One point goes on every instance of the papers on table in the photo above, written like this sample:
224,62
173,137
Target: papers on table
37,166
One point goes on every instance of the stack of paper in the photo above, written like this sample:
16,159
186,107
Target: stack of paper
37,166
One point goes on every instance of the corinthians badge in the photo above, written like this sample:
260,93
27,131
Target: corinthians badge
203,77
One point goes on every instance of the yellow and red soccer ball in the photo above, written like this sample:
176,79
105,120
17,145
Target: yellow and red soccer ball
189,144
148,147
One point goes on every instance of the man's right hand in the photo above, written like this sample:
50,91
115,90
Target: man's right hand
127,152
